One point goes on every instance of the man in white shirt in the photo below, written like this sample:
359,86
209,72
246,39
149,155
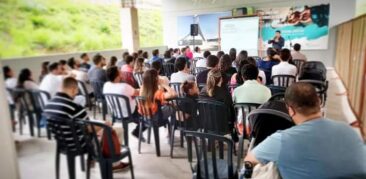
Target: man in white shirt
202,63
296,55
10,82
52,82
284,68
114,86
183,71
197,52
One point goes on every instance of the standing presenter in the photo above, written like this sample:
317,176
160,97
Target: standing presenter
278,41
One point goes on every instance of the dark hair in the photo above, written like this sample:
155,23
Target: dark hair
156,65
212,61
71,62
303,98
6,71
206,54
183,50
83,55
186,86
112,73
180,63
176,50
139,52
252,61
97,58
155,52
285,54
69,82
145,55
278,31
113,61
63,62
124,55
129,59
297,47
135,55
196,49
225,63
150,85
139,65
44,69
243,55
249,72
53,66
167,54
170,50
271,52
219,54
24,75
232,54
239,78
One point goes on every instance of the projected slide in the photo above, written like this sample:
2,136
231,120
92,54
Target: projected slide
240,33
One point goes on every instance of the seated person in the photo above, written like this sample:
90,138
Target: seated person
212,62
225,66
296,54
114,86
127,71
284,68
191,91
310,149
268,62
236,79
62,105
181,64
128,67
97,73
157,66
202,63
155,57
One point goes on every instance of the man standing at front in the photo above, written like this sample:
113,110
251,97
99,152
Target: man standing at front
278,41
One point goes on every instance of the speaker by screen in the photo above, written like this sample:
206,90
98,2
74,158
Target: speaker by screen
194,29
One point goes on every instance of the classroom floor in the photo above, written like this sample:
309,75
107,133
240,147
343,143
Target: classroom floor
36,156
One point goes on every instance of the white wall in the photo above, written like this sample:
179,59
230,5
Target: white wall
340,11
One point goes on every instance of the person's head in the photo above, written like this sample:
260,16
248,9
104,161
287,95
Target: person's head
24,75
167,54
129,59
249,72
212,61
155,52
278,33
145,55
99,60
8,73
303,102
45,67
171,50
297,47
84,57
113,74
206,54
214,78
239,78
232,54
183,51
156,65
271,52
190,88
55,68
70,87
285,55
176,51
188,49
197,49
225,63
219,54
252,61
63,62
124,55
71,62
139,52
135,55
150,82
181,64
139,65
112,61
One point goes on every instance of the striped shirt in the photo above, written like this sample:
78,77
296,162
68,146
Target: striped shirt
63,106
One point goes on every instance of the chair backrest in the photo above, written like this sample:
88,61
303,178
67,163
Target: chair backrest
231,87
185,113
283,80
278,96
168,69
69,135
276,89
119,105
23,99
201,86
199,69
84,91
98,89
213,116
321,88
138,78
243,109
40,99
299,63
205,166
177,89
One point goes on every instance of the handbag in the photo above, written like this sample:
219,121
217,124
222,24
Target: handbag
115,141
269,170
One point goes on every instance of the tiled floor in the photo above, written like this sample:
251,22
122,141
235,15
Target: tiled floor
37,156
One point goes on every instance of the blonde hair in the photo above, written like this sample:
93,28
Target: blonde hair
213,78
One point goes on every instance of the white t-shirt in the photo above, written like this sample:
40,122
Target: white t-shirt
195,55
180,77
121,89
284,68
30,85
201,63
11,83
51,83
298,56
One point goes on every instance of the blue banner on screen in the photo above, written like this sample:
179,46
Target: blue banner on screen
306,25
208,33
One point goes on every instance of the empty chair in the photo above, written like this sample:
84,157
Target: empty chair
299,63
138,78
39,100
99,98
177,89
283,80
213,116
206,164
168,69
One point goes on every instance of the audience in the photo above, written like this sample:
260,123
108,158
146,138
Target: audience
64,68
181,64
128,67
52,82
157,66
188,53
84,66
284,68
176,52
232,54
310,149
212,62
25,80
155,56
219,54
145,55
168,57
243,55
268,62
139,65
79,74
202,63
122,61
44,70
296,54
112,62
261,74
139,53
225,66
197,52
10,80
97,74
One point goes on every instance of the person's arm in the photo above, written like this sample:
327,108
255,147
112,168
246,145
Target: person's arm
251,158
170,93
281,42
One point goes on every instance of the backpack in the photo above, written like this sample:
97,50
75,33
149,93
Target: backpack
314,70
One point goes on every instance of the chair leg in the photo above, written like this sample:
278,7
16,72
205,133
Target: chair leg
240,149
95,109
221,150
181,138
109,170
88,163
131,166
103,169
148,135
140,136
21,118
157,140
38,123
172,141
82,163
104,109
57,163
71,166
125,132
31,123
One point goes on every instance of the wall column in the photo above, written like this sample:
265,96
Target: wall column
130,29
9,163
